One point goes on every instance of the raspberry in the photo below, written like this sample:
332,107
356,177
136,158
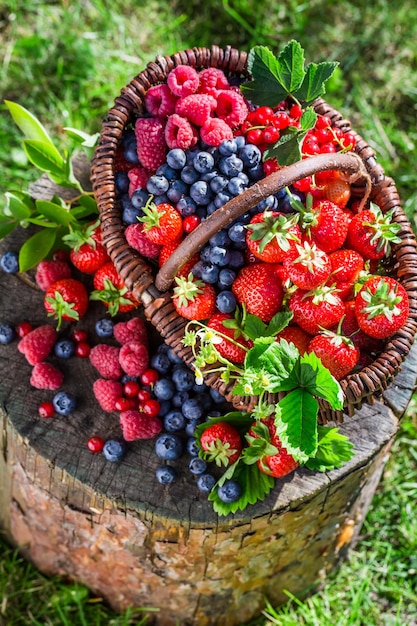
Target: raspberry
212,80
160,101
140,242
151,145
134,358
136,425
37,344
46,376
231,107
214,131
48,272
183,80
179,133
106,361
138,178
132,330
197,108
107,392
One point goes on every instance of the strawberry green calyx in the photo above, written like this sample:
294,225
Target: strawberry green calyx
111,296
259,446
383,301
310,256
152,217
77,237
272,227
61,309
219,452
323,293
187,289
385,231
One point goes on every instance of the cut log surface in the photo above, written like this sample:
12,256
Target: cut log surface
136,543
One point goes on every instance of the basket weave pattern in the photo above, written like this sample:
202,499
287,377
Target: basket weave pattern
139,276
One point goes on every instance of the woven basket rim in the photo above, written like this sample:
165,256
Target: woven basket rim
138,275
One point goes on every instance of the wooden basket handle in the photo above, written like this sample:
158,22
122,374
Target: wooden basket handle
348,162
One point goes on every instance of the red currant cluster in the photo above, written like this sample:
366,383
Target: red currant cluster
138,395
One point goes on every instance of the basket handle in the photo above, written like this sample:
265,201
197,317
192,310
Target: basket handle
348,162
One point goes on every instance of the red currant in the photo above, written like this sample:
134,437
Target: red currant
270,165
304,184
254,136
296,111
131,388
95,444
324,135
270,134
79,335
60,255
327,148
144,394
150,407
46,409
122,404
348,141
190,222
149,377
281,120
263,115
82,349
23,329
323,121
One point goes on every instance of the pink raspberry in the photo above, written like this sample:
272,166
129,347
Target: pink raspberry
179,133
231,107
37,344
140,242
48,272
105,359
107,392
138,177
214,131
136,425
212,80
197,108
46,376
134,358
183,80
160,101
132,330
151,144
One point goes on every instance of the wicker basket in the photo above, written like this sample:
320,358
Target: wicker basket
154,291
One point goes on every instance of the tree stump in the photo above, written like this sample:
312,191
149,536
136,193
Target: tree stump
112,527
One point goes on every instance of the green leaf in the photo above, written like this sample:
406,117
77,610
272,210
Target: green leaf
84,139
28,123
45,157
278,323
17,207
239,419
291,66
333,450
279,360
318,380
254,327
308,119
314,81
36,248
265,88
287,150
298,419
88,206
7,227
55,213
260,345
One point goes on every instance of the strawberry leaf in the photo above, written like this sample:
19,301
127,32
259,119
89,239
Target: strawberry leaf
319,381
297,423
241,420
333,450
266,87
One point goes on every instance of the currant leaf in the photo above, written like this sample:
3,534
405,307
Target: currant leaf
314,81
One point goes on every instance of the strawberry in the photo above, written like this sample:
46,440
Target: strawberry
271,235
162,223
168,249
66,299
337,352
274,459
350,328
371,233
334,189
194,299
259,288
381,306
110,289
310,267
326,224
87,252
316,309
235,351
347,266
296,335
221,443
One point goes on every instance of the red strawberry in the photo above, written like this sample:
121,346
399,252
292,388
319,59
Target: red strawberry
135,425
105,359
381,306
371,233
38,343
48,272
259,288
337,352
310,267
350,328
134,358
110,289
66,299
46,376
272,235
335,189
347,266
274,459
221,443
296,335
107,392
227,349
162,223
317,309
326,224
87,252
166,252
194,299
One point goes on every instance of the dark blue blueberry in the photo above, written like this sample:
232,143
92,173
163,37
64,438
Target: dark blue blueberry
174,421
201,193
221,198
7,333
190,427
219,255
240,141
236,186
209,273
183,378
216,396
205,483
199,388
161,363
210,208
284,204
164,389
192,446
128,137
164,407
218,183
189,174
179,398
203,162
114,450
174,358
237,259
186,206
226,278
231,165
64,349
9,262
165,474
131,153
197,269
190,154
177,190
130,214
237,232
197,466
230,491
139,198
228,147
157,185
221,238
205,399
64,402
167,172
168,447
257,172
121,182
269,204
226,302
208,176
192,408
250,155
104,327
126,378
176,158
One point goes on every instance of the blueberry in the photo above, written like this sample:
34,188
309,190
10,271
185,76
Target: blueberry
284,204
157,185
208,176
237,232
205,483
219,255
177,189
210,208
240,141
203,162
221,238
205,253
179,398
130,214
126,378
236,186
200,192
221,198
190,427
209,273
176,158
226,302
168,172
228,147
197,466
216,396
256,173
9,262
64,348
139,198
183,378
192,446
164,389
250,155
237,259
165,407
168,447
64,402
165,475
192,408
161,363
186,206
114,450
174,358
7,333
218,183
226,278
230,491
269,204
189,174
104,327
121,182
131,153
174,421
231,165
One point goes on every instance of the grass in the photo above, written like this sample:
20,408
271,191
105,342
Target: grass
66,62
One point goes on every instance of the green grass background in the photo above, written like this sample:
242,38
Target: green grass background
66,62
